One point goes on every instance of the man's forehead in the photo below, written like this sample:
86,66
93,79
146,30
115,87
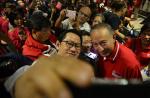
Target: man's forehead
100,35
86,9
100,32
72,36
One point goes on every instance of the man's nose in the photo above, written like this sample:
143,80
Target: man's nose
73,48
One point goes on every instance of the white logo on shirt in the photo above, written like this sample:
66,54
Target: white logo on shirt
115,74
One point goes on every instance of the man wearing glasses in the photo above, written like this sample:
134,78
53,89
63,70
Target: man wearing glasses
69,43
79,23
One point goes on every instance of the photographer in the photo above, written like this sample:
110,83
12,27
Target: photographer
79,23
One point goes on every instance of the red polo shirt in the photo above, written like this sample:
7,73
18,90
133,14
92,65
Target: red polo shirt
121,64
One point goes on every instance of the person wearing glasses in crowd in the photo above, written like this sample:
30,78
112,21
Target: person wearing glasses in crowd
68,44
79,23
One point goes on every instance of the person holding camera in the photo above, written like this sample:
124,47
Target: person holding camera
79,22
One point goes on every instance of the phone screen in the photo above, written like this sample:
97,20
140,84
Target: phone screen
71,14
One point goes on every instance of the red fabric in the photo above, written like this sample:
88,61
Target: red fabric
5,26
2,20
137,3
53,38
129,42
142,55
125,65
13,35
129,11
33,49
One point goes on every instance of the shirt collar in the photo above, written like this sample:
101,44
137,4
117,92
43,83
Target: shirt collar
114,53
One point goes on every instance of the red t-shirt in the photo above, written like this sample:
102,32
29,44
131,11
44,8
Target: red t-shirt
33,49
13,35
5,26
2,20
143,55
121,64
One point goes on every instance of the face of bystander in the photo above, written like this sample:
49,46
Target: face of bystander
70,45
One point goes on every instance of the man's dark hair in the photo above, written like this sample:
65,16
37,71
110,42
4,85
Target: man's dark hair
74,31
39,21
85,33
102,16
104,25
118,5
145,28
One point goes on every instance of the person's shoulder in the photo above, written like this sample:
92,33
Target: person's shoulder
66,20
86,27
128,56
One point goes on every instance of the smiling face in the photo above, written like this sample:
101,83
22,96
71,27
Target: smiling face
70,45
86,44
97,20
145,40
102,41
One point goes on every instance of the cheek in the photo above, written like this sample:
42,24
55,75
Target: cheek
63,48
78,51
46,36
96,48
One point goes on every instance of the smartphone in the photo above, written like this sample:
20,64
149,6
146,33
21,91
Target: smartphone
71,14
111,89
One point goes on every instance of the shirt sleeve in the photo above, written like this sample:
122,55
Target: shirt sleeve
10,82
86,27
66,24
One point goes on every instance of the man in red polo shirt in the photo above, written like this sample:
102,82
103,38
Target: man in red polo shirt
115,60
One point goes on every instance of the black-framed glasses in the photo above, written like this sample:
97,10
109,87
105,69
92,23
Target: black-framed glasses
81,13
71,44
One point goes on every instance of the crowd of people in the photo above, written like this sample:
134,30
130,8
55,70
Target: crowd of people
44,42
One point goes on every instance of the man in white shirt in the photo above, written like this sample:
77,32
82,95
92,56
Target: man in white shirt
79,23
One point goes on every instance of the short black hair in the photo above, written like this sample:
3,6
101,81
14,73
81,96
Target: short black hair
74,31
39,21
118,5
84,33
100,15
104,25
145,28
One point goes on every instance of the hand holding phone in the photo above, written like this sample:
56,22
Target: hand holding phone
71,14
